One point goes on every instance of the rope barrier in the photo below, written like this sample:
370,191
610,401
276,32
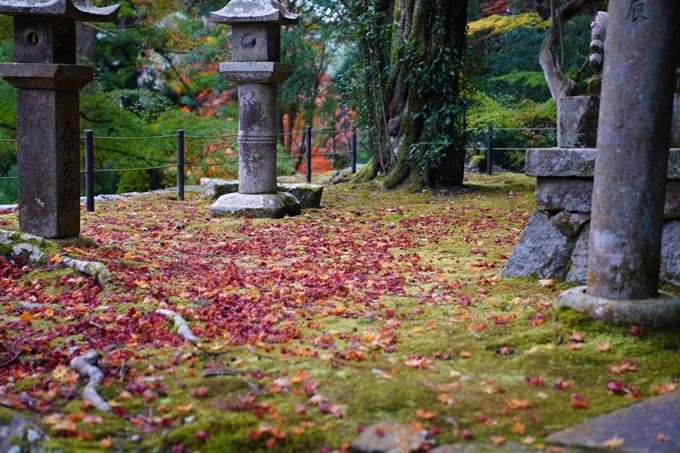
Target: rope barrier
153,137
210,136
7,177
8,140
108,170
211,164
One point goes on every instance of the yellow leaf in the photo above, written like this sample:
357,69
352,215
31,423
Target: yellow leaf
417,329
26,317
547,283
528,440
613,443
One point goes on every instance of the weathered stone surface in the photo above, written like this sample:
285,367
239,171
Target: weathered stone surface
273,206
662,310
257,138
213,188
29,253
253,11
564,194
81,10
579,163
31,250
570,223
675,129
256,71
670,253
578,271
46,76
560,162
638,425
48,161
387,438
671,209
542,251
575,195
309,195
577,126
256,67
632,152
19,431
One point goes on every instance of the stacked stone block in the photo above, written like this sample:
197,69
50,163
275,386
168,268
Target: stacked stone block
555,241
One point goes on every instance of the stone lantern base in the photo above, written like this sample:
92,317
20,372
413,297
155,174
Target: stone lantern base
271,205
663,310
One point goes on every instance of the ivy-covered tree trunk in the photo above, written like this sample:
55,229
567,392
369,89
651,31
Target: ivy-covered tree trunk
417,124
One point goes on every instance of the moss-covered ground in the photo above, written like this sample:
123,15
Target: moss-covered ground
379,306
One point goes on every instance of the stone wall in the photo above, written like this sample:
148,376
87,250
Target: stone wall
555,241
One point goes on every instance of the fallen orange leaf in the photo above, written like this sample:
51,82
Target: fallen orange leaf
602,347
425,415
106,443
498,440
516,404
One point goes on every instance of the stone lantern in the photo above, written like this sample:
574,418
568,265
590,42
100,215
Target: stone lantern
256,68
47,79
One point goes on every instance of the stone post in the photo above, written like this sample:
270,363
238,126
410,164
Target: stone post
634,135
48,117
256,67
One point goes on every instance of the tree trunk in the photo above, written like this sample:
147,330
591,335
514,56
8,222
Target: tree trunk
558,83
418,125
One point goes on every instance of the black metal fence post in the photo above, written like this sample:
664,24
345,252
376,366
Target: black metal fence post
489,150
89,170
353,155
308,154
180,165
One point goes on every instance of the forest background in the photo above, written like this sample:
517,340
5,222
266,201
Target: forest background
156,72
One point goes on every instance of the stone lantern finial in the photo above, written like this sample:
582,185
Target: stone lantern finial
80,10
250,11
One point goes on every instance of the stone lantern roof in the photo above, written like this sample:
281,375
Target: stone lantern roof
80,10
252,11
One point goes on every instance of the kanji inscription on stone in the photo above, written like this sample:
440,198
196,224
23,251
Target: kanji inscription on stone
69,195
636,10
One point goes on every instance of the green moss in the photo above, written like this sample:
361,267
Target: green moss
380,386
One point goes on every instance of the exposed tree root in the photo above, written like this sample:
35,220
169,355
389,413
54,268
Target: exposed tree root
183,329
98,271
86,366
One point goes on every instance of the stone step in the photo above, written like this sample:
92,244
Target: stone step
652,426
578,162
